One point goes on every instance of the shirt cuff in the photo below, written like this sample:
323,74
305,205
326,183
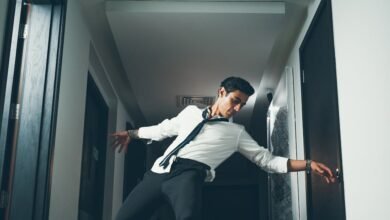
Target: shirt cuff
281,164
144,134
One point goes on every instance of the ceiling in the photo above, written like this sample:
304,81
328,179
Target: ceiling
176,48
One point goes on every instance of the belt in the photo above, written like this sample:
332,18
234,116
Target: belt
189,163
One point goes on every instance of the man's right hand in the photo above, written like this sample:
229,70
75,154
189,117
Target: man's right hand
121,140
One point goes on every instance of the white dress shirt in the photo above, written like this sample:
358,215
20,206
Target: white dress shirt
214,144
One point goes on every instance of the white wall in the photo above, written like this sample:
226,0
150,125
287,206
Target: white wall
361,34
79,57
65,185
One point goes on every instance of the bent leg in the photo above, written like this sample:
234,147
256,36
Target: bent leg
145,198
184,192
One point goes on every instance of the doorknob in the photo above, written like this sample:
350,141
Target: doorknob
338,174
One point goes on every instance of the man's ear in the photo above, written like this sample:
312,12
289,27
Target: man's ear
221,92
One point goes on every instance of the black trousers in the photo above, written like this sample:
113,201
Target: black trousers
181,188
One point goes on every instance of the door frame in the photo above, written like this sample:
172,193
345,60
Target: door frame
37,121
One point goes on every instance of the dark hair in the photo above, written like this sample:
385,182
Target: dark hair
236,83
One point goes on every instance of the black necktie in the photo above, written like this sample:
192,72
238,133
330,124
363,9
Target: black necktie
164,163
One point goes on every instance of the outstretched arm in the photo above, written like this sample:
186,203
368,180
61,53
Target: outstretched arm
311,166
167,128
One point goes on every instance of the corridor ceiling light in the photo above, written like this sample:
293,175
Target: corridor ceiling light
196,7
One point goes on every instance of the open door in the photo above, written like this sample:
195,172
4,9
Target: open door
321,115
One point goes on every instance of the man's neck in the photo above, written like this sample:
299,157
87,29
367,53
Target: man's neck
215,110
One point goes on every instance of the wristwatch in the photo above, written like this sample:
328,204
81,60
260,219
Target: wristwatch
308,166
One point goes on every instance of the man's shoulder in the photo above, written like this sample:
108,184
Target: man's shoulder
191,108
190,111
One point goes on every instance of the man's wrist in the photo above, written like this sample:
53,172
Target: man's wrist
133,134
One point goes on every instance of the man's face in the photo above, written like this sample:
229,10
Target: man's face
231,103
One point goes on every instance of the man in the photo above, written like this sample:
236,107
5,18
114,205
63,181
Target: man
205,138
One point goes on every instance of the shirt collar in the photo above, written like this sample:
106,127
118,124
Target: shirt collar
207,111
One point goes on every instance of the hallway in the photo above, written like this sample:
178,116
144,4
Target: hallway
75,70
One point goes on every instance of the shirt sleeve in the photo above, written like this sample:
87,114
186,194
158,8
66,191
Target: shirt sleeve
260,155
165,129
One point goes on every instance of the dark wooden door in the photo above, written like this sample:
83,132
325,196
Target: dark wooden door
94,154
321,115
9,135
29,86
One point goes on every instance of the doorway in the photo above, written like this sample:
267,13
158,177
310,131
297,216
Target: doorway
94,154
321,115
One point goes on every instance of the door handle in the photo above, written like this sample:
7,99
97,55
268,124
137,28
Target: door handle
338,174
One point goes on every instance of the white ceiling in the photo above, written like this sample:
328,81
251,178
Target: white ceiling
172,48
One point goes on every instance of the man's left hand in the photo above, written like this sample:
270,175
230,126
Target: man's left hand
323,170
